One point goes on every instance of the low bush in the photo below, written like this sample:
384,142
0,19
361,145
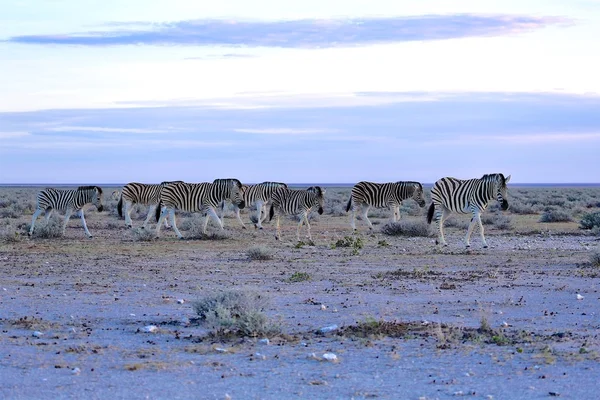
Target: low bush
555,216
260,253
595,258
590,221
240,312
52,229
143,235
410,228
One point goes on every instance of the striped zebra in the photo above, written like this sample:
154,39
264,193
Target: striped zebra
140,193
294,202
368,194
203,197
466,196
68,201
259,195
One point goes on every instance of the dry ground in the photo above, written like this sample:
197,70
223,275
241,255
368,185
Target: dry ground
414,321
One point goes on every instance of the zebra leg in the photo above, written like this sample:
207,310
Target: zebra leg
68,213
48,214
85,228
396,211
36,214
307,227
172,216
277,231
211,213
259,210
476,219
441,218
128,209
239,218
365,210
163,215
353,217
151,212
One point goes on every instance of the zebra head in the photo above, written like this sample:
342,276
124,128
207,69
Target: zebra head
237,193
319,197
418,194
500,182
95,195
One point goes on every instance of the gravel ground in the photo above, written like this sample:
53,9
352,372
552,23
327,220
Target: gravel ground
519,320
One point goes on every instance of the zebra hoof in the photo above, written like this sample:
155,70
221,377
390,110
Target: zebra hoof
90,237
485,247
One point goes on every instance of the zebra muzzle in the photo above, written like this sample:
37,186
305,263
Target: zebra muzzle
504,205
100,208
320,210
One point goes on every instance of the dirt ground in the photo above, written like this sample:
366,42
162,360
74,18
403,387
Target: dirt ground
518,320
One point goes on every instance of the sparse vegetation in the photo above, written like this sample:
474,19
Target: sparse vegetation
353,242
410,228
52,229
236,312
260,253
595,258
143,235
590,221
298,277
553,215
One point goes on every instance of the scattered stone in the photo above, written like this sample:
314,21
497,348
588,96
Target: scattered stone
76,371
151,328
330,357
37,334
327,329
264,341
180,301
579,297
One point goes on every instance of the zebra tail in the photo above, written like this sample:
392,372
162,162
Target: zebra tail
158,210
430,213
120,206
271,212
349,204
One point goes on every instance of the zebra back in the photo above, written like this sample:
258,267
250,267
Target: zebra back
386,194
262,191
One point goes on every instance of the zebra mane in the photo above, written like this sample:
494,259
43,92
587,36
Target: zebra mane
494,176
90,187
317,190
236,181
167,182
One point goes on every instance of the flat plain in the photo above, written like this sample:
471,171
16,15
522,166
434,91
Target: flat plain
384,314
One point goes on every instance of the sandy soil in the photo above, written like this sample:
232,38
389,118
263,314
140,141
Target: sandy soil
73,315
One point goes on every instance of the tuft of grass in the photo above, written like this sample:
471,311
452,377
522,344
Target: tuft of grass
555,216
236,312
260,253
143,235
298,277
590,221
355,243
408,228
9,234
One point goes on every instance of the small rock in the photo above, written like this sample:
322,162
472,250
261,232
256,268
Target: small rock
37,334
327,329
75,371
264,341
180,301
220,350
579,297
323,307
260,356
150,328
330,357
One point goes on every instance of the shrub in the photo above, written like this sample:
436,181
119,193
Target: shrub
9,234
143,235
53,229
555,216
409,228
298,277
260,253
238,311
590,221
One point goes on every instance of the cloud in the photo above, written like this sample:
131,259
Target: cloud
104,129
10,135
307,33
285,131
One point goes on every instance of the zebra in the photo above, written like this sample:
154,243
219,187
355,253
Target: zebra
260,195
197,197
368,194
141,193
286,201
466,196
68,201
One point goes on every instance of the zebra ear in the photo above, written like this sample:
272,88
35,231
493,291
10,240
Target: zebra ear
507,179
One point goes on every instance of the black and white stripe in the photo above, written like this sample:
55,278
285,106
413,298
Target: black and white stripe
203,197
466,196
259,195
296,202
379,195
140,193
68,201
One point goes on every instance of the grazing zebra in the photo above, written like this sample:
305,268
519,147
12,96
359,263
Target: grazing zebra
286,201
260,195
68,201
368,194
140,193
463,197
197,197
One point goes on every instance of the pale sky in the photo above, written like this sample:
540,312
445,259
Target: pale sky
114,91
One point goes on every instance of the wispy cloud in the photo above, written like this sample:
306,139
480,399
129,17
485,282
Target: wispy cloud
307,33
285,131
104,129
10,135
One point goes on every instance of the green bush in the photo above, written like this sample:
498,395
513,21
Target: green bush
555,216
590,221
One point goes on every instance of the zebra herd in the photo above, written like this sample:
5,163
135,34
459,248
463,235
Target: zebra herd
447,195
